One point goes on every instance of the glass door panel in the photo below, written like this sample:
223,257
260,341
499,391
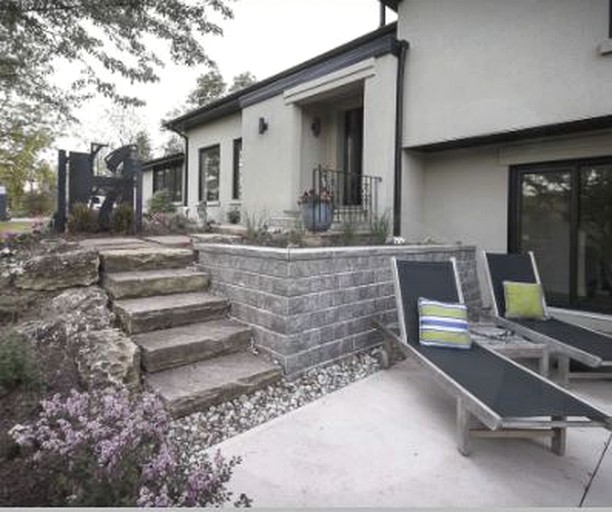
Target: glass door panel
544,213
594,259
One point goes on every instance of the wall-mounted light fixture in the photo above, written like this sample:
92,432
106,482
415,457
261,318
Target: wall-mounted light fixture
316,126
263,125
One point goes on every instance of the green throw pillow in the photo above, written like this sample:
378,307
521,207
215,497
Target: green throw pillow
524,300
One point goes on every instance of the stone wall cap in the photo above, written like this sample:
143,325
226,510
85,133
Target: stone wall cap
299,253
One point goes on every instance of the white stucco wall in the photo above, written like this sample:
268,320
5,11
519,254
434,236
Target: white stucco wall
482,66
379,129
223,132
271,159
147,188
465,192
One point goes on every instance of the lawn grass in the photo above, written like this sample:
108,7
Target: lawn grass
15,227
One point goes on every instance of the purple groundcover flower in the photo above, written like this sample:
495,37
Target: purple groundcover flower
113,449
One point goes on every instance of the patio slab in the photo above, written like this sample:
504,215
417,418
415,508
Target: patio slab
388,441
171,240
106,243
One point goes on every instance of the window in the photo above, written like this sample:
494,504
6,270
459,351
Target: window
237,170
563,213
170,179
209,173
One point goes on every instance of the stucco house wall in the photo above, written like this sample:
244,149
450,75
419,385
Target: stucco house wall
223,132
486,66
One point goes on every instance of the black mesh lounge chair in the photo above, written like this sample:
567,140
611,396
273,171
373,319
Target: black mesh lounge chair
567,341
508,399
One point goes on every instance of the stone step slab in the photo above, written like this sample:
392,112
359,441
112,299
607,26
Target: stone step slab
197,386
170,348
148,283
154,258
166,311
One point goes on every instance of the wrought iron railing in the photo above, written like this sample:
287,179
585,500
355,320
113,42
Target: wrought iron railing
354,197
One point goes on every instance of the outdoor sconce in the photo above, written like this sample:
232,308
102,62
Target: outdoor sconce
316,126
263,125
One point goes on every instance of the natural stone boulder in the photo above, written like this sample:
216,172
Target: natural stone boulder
59,271
71,312
79,321
107,357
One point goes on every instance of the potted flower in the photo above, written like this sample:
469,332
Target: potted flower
317,209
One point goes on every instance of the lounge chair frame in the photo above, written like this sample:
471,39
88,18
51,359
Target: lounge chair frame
560,350
469,407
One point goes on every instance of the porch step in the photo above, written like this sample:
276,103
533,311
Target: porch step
139,259
154,282
166,311
197,386
170,348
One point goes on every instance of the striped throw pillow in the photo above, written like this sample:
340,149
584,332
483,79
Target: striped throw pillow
443,324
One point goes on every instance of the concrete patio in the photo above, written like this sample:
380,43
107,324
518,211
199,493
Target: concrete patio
388,441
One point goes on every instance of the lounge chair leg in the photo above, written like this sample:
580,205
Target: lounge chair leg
559,439
544,364
463,428
563,365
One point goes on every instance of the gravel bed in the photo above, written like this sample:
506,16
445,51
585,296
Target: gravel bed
197,432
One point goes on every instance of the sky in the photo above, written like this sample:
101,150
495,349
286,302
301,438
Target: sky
265,37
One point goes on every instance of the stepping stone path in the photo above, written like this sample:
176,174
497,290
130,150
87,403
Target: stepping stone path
192,353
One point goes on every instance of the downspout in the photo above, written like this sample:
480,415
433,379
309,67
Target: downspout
402,48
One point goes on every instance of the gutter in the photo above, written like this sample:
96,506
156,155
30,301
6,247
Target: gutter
402,49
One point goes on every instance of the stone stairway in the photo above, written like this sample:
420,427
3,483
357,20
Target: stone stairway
192,353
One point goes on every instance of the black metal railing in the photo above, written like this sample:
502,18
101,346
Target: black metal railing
354,197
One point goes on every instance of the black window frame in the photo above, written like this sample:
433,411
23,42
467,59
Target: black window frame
573,166
162,181
237,163
201,152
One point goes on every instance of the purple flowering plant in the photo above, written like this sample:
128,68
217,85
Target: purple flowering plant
110,448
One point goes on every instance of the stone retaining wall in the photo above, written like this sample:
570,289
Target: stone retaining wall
310,306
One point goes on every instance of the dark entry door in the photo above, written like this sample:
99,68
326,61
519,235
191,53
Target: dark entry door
353,156
563,213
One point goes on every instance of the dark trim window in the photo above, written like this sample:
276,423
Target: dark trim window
237,170
170,179
563,212
209,166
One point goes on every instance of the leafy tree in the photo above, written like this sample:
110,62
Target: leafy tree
174,144
143,141
210,86
242,80
97,39
22,163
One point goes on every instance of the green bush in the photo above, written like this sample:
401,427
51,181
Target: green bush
37,204
17,364
233,216
82,219
381,227
161,202
122,219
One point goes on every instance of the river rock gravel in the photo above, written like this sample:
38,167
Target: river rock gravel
199,431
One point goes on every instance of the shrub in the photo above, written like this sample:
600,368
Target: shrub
256,228
17,364
161,202
82,219
108,448
233,216
381,226
122,219
37,204
349,234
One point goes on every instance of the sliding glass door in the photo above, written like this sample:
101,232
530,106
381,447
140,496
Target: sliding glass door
563,213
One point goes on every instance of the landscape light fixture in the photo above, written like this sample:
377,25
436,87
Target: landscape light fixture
263,125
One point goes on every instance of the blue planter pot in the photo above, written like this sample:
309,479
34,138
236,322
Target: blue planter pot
317,216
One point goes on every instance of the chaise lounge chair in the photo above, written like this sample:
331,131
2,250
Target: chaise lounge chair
566,341
508,399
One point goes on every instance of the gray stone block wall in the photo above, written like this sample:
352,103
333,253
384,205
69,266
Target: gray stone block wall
308,307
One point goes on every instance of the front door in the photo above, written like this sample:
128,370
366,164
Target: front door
353,156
